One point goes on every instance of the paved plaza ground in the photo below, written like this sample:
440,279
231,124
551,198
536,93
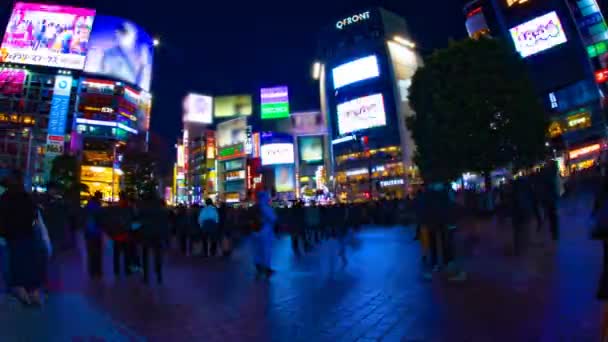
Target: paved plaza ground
547,295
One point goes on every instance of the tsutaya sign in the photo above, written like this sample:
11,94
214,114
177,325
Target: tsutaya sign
353,19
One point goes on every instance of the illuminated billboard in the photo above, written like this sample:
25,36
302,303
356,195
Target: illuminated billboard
355,71
120,49
48,35
284,180
278,153
311,149
538,34
361,113
12,81
231,132
231,106
198,109
275,103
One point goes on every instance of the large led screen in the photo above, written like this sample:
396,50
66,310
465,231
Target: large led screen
361,113
279,153
49,35
232,132
122,50
355,71
12,81
275,102
284,180
198,109
311,149
232,106
538,34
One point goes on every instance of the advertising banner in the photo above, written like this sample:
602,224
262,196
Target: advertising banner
48,35
279,153
538,34
361,113
210,144
120,49
231,106
198,109
58,116
275,103
311,149
308,123
284,179
355,71
12,81
232,132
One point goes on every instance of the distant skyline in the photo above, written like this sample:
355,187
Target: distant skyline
237,47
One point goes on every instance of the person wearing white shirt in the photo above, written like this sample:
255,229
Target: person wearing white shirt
209,220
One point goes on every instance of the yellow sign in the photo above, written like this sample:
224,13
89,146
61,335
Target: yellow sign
579,121
555,129
511,3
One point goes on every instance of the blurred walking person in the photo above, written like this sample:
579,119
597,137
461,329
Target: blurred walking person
523,208
153,219
18,226
549,196
263,238
94,235
209,220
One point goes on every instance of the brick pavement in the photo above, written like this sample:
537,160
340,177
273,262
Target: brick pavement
547,295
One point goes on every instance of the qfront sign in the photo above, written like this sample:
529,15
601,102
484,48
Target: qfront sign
353,19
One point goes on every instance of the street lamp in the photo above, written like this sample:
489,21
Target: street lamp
156,42
405,42
316,71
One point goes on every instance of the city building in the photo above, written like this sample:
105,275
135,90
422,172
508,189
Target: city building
564,44
366,62
85,93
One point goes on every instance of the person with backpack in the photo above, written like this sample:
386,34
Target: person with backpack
28,260
264,236
120,233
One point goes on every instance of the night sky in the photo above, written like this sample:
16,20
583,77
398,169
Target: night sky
223,47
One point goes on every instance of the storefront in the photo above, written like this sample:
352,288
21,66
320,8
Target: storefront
103,179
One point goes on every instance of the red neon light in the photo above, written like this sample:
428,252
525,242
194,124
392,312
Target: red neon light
473,12
601,76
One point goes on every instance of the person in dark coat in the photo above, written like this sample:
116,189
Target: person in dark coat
435,211
523,207
94,235
549,196
153,219
28,258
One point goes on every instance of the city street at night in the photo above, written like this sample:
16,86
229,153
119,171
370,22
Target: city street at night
547,295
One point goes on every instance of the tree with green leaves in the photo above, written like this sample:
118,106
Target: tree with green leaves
139,174
65,176
476,110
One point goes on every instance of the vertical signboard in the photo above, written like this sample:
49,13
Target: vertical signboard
275,102
59,113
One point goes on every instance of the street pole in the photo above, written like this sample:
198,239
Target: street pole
113,162
28,161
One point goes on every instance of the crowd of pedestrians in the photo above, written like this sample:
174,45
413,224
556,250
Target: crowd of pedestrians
141,230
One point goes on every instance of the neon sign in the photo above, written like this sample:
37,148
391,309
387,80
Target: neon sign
584,151
511,3
538,34
353,19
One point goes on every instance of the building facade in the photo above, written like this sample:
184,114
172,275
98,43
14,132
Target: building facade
564,44
367,62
